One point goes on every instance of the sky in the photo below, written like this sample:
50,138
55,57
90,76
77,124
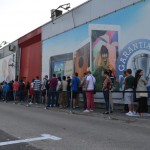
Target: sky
19,17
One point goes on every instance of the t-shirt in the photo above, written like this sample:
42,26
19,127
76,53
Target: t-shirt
64,85
75,82
21,86
15,86
32,85
6,87
53,83
129,82
59,86
37,84
91,80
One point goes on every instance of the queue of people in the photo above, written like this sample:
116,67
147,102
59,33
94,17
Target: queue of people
135,93
64,92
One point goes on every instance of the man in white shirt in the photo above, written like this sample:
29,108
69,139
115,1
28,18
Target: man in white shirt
90,82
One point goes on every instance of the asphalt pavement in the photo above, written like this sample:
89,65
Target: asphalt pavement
75,129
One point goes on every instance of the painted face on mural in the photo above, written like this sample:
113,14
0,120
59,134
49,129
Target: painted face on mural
104,53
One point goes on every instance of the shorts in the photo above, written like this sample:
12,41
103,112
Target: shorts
128,96
74,94
44,92
15,93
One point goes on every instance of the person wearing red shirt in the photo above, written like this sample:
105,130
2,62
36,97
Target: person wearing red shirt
15,90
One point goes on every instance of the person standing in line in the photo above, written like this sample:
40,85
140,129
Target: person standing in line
27,92
126,109
37,86
10,92
140,83
111,89
15,90
43,91
106,87
63,100
83,85
5,89
32,92
46,82
52,91
129,95
21,91
75,82
58,91
68,91
90,82
77,98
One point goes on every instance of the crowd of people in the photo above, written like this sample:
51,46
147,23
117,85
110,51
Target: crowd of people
64,92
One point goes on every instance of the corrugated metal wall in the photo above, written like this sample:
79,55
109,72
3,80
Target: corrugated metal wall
31,55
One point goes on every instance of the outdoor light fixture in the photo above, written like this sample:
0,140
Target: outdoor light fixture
12,47
55,12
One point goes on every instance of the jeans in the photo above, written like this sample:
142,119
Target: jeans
51,97
106,97
68,98
57,97
21,95
5,95
36,95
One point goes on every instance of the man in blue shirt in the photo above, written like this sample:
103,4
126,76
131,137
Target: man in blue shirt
5,91
75,83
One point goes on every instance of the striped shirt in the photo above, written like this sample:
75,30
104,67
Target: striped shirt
37,85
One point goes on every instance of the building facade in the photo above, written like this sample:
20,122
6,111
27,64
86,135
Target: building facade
95,36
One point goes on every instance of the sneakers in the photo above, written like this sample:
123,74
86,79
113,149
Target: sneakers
129,113
106,112
146,114
135,114
91,110
86,111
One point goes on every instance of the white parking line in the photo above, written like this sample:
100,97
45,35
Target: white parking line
43,137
